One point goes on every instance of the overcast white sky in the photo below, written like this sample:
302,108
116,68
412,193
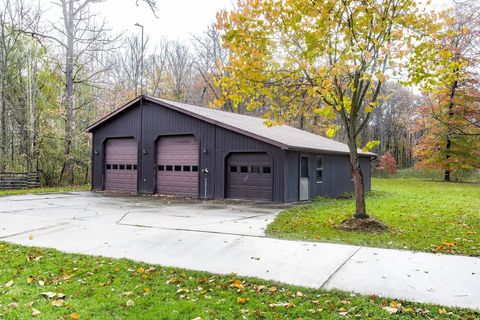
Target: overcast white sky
177,19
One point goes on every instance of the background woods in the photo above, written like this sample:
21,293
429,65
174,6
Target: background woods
57,77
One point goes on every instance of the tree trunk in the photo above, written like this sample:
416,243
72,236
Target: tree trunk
3,125
360,208
69,121
447,176
3,110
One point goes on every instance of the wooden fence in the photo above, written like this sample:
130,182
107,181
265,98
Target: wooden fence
11,180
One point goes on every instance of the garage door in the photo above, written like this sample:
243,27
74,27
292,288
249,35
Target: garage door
249,176
121,165
177,166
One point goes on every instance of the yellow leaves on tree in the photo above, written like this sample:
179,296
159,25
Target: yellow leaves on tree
297,58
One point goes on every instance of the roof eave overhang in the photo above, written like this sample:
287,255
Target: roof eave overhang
326,151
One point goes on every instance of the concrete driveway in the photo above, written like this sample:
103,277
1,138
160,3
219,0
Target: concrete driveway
48,210
224,237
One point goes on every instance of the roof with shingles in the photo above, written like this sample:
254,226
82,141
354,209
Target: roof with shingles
283,136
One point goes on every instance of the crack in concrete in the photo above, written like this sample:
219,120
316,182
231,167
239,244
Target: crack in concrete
118,222
191,229
33,230
36,209
338,269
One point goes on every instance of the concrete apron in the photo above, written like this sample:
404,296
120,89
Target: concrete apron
229,237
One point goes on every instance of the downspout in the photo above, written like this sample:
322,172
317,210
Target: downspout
140,164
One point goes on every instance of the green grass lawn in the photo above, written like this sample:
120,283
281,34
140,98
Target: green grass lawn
44,190
54,285
424,215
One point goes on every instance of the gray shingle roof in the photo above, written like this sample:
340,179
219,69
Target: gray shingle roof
290,137
284,136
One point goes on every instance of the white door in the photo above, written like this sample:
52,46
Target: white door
304,193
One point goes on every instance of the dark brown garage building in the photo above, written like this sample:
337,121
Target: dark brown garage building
153,145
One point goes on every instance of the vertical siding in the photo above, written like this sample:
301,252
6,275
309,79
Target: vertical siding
126,124
161,121
228,141
218,142
292,170
336,175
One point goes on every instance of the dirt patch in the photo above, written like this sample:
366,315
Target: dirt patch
370,225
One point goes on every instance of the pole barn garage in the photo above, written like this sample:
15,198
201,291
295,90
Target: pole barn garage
153,145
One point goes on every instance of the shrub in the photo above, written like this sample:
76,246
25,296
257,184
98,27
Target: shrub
387,165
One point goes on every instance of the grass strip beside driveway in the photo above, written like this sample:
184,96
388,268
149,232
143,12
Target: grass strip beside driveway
426,216
13,192
48,284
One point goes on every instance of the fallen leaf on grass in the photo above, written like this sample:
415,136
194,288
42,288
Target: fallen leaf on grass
13,305
172,280
442,311
260,288
28,304
74,316
183,290
237,284
128,293
282,304
395,304
35,312
9,284
30,279
242,300
49,295
57,303
390,310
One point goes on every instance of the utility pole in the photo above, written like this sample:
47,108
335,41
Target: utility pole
141,62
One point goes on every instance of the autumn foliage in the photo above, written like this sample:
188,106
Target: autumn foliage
387,164
335,54
448,123
437,124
